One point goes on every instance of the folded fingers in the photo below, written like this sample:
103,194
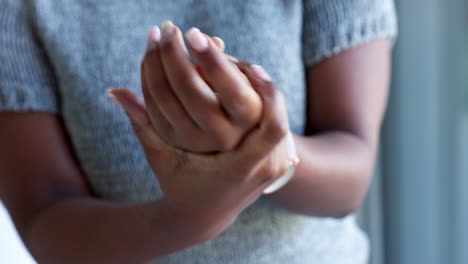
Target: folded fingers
196,96
237,97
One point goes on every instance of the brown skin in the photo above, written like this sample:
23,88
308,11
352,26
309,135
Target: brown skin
61,222
347,101
344,118
217,114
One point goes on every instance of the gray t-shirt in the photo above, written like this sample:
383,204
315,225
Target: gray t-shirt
61,56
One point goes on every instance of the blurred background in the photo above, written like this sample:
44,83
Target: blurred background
417,208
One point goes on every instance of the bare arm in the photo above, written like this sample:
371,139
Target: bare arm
54,211
60,221
347,97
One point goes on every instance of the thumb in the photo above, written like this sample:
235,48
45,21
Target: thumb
135,108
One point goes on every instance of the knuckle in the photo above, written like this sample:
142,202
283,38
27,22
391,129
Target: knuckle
245,112
276,130
267,174
226,142
224,136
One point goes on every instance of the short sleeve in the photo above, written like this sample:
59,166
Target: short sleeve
331,26
27,82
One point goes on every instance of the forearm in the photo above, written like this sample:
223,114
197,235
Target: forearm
332,178
91,231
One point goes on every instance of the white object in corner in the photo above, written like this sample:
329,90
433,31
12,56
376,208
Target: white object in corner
12,250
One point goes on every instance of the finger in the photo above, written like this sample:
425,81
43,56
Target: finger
273,126
234,91
219,43
135,109
171,135
195,95
154,77
160,123
256,74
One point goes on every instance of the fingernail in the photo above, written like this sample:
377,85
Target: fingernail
154,36
291,148
166,23
197,40
167,29
221,43
114,98
260,72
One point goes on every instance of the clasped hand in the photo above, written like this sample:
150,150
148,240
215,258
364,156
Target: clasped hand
214,130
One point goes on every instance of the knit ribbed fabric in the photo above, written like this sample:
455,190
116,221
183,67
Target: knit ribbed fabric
61,56
26,81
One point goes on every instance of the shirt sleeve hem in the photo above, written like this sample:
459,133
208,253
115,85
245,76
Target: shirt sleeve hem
20,100
350,34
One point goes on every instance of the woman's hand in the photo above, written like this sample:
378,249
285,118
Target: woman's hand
201,108
212,189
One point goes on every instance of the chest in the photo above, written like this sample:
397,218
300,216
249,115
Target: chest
96,45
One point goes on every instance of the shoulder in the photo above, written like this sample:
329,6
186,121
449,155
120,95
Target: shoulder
332,26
